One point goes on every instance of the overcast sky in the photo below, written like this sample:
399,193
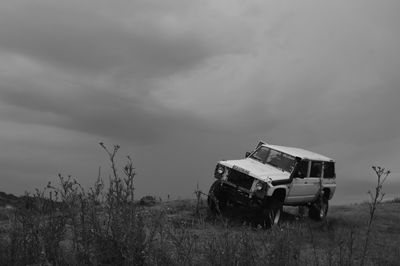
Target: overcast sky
182,84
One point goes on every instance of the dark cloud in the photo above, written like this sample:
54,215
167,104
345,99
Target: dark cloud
98,113
83,48
81,37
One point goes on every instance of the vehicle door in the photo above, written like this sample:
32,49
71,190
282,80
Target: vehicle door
306,182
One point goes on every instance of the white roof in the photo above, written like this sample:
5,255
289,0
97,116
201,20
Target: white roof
302,153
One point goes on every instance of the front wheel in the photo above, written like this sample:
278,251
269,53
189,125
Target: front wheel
319,210
216,199
271,214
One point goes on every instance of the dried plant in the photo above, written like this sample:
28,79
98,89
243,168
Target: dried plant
376,197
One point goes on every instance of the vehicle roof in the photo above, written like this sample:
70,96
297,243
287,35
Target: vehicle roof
298,152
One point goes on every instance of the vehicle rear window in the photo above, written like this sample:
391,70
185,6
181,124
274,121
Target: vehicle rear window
329,170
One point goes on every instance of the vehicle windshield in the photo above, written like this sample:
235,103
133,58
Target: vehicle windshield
278,159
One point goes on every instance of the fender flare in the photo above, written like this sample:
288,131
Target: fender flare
273,189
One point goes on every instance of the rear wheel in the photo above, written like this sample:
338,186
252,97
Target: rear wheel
216,199
319,209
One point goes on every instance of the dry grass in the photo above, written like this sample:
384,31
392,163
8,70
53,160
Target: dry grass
172,233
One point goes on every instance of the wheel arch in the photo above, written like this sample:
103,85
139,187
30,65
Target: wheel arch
326,192
279,194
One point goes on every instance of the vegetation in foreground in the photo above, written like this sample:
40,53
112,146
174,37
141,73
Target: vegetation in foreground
67,225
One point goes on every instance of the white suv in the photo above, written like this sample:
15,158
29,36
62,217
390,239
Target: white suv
272,176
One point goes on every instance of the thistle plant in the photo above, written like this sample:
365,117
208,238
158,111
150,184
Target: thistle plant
376,197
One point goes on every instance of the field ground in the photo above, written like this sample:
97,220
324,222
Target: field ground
343,230
192,236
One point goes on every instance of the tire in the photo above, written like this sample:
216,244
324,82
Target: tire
319,210
216,199
271,214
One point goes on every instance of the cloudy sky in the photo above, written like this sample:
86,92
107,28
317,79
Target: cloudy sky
182,84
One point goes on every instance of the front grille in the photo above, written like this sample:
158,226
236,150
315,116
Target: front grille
240,179
236,195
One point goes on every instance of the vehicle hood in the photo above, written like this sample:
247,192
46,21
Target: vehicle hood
256,169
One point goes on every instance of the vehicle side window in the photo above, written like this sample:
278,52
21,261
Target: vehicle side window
329,170
302,169
316,169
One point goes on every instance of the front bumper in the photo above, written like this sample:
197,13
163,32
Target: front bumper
238,195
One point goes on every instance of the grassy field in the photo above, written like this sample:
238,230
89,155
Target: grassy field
66,224
182,233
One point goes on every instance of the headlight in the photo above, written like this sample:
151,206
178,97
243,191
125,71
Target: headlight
219,171
259,186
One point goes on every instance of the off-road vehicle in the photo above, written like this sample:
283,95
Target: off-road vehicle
272,176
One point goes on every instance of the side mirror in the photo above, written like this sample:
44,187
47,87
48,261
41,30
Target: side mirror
247,154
